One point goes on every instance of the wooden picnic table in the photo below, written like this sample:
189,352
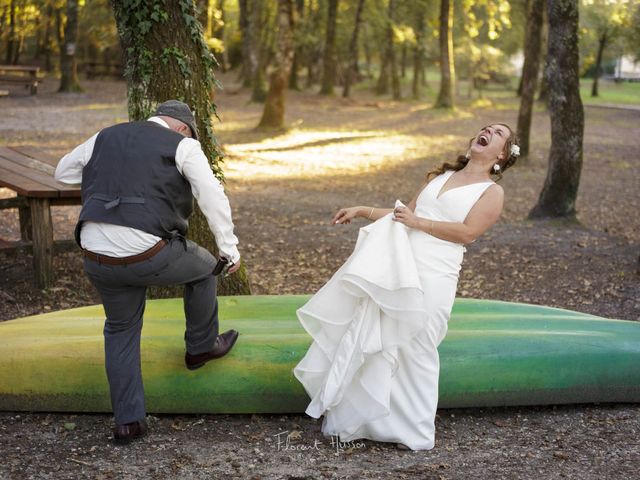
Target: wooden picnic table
28,171
26,75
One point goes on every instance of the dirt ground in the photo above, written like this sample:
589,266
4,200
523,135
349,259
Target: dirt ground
283,190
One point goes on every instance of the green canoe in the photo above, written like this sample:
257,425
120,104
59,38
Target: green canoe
495,353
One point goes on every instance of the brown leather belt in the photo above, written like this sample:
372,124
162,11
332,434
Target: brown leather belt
126,260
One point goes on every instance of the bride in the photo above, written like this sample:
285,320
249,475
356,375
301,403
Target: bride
372,369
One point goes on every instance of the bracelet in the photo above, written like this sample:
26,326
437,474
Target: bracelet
370,213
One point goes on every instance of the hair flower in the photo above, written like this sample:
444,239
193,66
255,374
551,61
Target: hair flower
496,167
515,150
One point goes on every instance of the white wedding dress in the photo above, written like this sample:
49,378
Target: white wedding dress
372,369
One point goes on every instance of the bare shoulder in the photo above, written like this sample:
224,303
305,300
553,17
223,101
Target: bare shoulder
496,191
492,196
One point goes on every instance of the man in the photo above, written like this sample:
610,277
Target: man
138,184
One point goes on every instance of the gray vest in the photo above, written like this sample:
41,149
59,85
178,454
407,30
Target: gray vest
132,180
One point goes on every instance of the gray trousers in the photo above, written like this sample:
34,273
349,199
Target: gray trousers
123,290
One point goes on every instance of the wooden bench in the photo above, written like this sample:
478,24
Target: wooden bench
28,171
28,76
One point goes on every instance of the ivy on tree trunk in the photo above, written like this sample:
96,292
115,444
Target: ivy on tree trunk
166,58
558,195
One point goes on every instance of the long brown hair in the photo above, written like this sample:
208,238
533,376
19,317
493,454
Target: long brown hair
461,162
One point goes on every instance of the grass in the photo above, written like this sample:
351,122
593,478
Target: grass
625,93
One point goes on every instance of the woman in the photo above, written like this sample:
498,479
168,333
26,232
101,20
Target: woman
372,369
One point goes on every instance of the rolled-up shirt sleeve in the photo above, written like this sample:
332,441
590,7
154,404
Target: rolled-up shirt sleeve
69,169
209,193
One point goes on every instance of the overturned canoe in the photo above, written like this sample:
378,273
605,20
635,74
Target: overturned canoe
496,353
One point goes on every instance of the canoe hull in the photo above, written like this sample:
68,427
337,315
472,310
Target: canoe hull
495,354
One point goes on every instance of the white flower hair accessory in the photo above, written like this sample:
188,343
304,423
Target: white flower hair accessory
515,150
496,167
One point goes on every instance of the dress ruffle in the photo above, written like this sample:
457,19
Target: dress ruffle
370,308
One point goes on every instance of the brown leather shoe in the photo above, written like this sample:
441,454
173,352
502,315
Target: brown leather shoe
124,434
221,347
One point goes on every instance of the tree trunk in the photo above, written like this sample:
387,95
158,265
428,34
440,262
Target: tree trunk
558,195
329,62
447,70
530,73
40,25
273,114
353,51
68,64
18,50
246,72
382,86
367,51
11,36
395,78
418,53
525,21
543,95
294,78
602,43
169,59
258,86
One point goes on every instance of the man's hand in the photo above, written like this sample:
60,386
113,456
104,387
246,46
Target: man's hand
234,268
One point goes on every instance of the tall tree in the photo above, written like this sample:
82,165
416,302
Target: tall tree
558,195
530,72
11,37
353,50
258,84
543,96
395,78
68,63
329,60
603,21
166,57
527,21
49,19
418,51
382,85
447,70
274,106
248,65
297,49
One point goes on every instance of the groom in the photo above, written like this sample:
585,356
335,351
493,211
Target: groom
138,184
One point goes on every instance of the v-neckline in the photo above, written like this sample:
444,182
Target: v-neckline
440,192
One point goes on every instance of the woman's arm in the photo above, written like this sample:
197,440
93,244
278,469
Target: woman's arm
345,215
482,216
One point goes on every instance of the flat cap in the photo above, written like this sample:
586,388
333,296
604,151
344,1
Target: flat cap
180,111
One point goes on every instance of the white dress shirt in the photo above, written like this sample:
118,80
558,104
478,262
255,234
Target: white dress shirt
119,241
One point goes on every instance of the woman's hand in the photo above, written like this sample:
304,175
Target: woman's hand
405,216
345,215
